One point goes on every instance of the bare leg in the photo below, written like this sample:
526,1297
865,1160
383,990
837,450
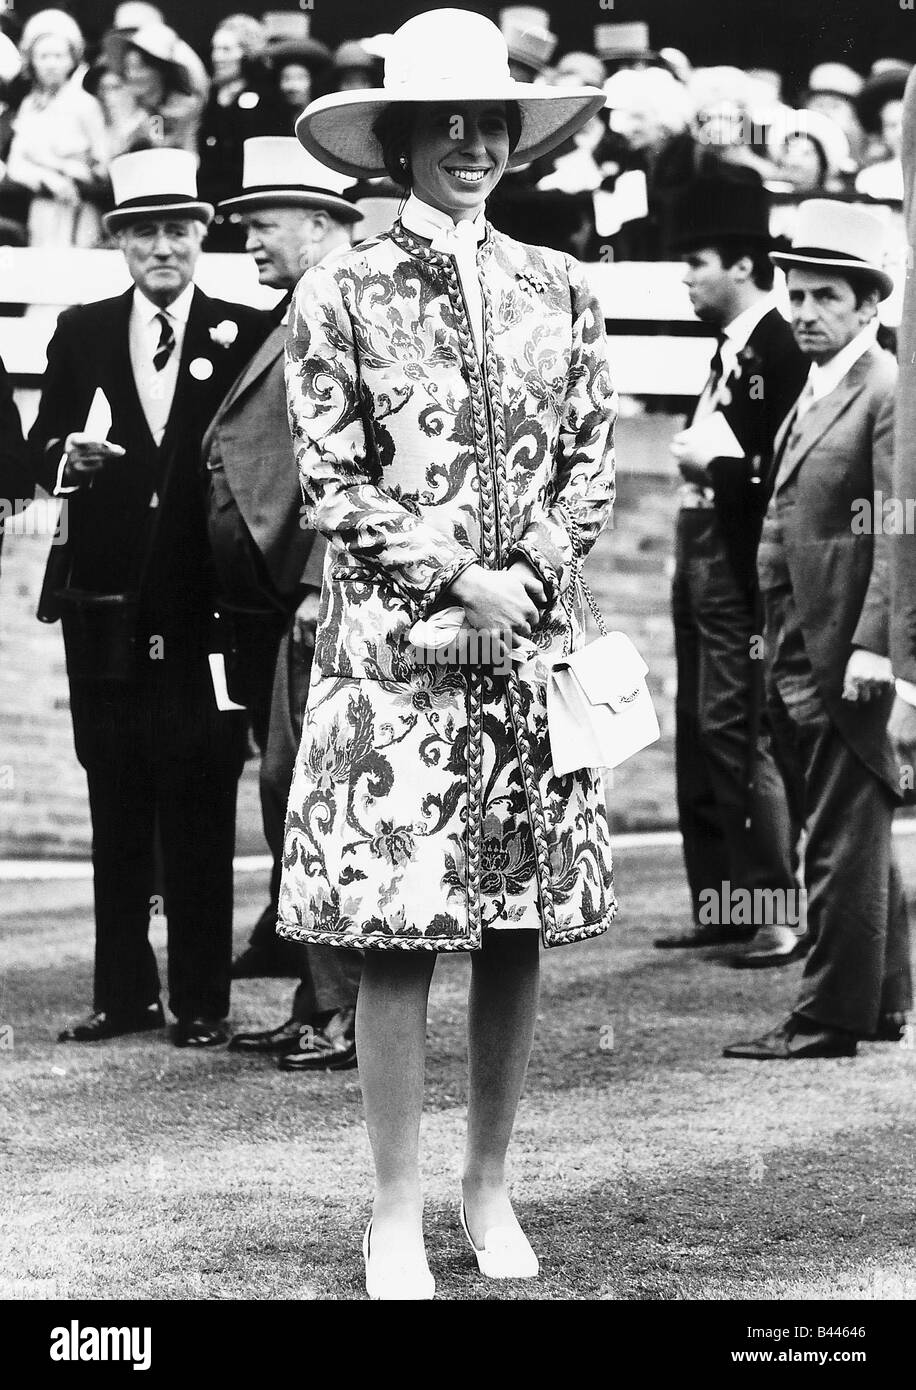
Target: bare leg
391,1044
502,1013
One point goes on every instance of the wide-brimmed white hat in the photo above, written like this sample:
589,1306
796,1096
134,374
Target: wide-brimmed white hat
153,183
441,56
826,133
278,172
838,236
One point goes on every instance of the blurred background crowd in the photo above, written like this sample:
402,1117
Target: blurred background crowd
71,101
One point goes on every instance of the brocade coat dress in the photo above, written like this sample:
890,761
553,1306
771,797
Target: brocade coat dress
424,809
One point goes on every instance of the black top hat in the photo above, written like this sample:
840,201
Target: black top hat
884,86
718,208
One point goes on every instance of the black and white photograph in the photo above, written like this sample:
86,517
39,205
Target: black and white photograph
458,508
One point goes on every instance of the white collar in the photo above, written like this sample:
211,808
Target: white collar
742,325
825,377
426,221
178,311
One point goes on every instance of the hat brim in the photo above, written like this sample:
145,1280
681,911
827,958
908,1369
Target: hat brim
117,44
786,260
337,129
342,208
887,86
309,52
122,217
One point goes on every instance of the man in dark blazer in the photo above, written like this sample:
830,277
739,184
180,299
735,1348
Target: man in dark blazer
269,569
130,387
733,809
17,486
824,573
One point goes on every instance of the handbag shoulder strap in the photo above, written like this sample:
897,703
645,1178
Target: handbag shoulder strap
577,580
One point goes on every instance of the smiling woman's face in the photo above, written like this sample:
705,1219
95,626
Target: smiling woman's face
458,155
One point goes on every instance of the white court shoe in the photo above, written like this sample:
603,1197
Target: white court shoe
506,1252
397,1279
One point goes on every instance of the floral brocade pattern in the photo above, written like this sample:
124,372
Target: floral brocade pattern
424,809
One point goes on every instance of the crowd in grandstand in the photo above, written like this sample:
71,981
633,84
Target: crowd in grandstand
70,103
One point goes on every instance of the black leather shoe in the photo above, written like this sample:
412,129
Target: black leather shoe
282,960
282,1039
796,1040
703,936
891,1028
332,1047
768,960
97,1026
199,1032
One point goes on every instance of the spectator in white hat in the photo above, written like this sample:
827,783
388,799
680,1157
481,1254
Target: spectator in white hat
811,152
134,592
58,149
168,82
832,90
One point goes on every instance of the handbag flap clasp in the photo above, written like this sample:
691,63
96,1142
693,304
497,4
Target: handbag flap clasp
610,671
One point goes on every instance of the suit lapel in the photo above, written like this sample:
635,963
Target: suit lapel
260,363
821,418
196,344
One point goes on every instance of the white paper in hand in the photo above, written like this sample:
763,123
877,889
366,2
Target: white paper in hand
220,686
98,421
713,437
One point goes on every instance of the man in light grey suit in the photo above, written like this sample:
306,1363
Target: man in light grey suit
270,570
824,566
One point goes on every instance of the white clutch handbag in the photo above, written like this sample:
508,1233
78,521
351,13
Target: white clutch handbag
599,710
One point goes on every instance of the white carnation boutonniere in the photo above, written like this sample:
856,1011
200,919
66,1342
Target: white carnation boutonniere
225,333
201,368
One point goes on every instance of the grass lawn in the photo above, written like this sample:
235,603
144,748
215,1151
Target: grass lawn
645,1165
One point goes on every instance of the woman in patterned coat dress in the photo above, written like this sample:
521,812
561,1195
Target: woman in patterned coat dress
452,412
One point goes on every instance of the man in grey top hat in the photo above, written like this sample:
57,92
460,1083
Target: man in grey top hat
269,569
824,573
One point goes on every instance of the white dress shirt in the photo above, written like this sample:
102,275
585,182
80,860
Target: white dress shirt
460,240
734,341
156,389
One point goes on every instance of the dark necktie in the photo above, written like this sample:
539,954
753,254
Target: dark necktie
716,371
166,344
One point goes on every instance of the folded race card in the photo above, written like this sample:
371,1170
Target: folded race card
714,436
98,421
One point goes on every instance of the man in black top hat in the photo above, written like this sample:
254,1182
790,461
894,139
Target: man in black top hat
732,802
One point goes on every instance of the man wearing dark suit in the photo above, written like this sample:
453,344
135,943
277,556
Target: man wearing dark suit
134,588
17,485
824,571
269,569
732,802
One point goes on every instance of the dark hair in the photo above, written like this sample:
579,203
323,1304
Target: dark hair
860,282
731,250
819,150
394,128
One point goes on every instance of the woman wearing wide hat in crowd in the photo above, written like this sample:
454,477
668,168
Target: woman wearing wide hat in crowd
167,81
452,411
